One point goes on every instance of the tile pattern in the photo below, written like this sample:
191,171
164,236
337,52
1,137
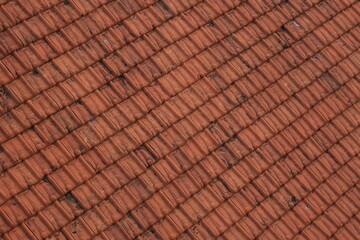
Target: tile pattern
179,119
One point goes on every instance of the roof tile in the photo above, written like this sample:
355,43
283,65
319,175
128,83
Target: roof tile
179,119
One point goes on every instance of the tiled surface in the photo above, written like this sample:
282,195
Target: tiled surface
179,119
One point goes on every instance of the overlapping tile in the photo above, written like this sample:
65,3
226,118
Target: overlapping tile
196,119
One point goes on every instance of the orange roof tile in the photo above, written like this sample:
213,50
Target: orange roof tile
179,119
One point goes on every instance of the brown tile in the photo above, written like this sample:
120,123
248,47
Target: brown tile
179,119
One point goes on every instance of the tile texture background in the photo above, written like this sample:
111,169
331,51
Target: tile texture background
179,119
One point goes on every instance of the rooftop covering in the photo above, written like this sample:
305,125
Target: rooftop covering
179,119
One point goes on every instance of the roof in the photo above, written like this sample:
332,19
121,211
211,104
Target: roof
188,119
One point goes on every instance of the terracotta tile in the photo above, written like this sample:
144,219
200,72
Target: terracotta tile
179,119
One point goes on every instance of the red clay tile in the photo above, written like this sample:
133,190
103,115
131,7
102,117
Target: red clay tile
197,119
